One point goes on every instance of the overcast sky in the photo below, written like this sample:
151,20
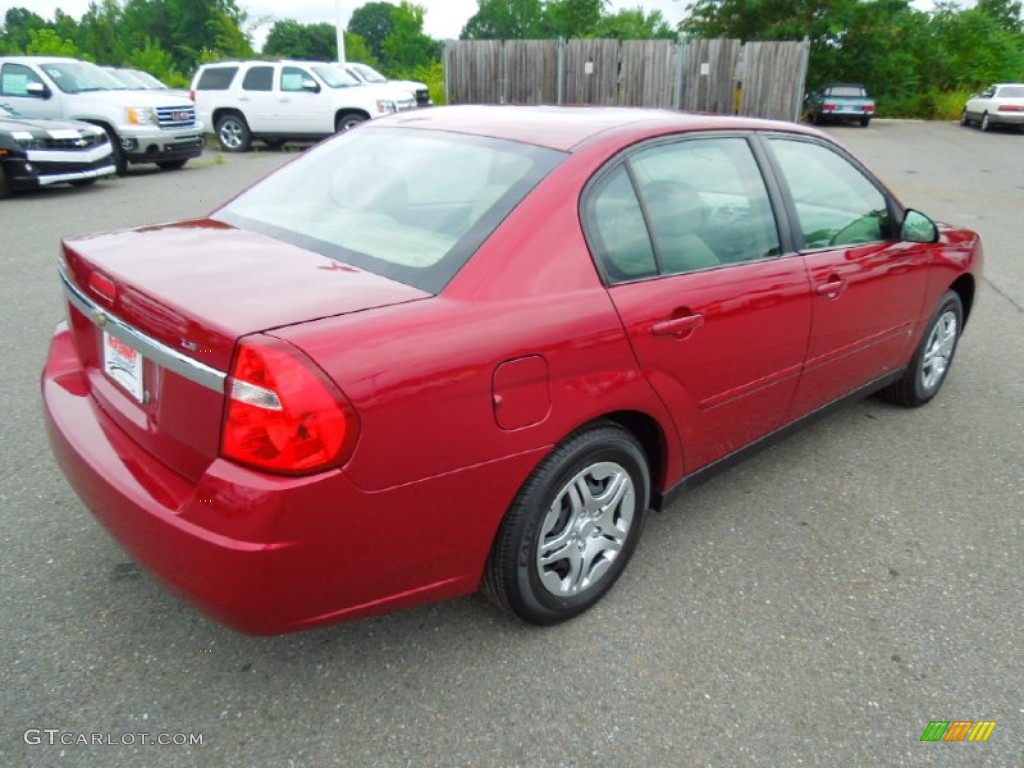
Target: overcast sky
444,18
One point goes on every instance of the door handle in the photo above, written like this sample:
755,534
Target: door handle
832,288
678,327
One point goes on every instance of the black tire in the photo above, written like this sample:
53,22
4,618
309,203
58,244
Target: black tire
349,120
596,538
865,122
172,165
815,118
120,161
933,358
5,188
274,143
233,133
985,124
964,119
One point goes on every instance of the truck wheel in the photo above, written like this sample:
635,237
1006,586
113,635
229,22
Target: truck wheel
172,165
233,133
120,161
5,189
864,121
348,121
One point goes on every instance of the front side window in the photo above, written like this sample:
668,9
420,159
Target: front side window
407,204
292,79
679,207
15,79
836,204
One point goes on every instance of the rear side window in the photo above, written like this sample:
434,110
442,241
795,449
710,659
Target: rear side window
259,79
216,78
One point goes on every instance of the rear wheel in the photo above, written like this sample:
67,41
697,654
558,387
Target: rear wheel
5,189
233,133
865,121
172,165
986,124
573,527
274,143
931,363
964,119
348,121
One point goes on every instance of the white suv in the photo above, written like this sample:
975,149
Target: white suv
364,73
280,100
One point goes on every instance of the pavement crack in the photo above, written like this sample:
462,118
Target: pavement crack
1006,296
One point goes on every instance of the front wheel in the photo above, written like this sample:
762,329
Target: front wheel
931,362
986,124
233,133
573,527
964,119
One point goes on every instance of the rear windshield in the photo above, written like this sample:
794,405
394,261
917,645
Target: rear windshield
216,78
409,204
849,91
1011,92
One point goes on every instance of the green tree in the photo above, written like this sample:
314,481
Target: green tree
291,39
573,18
407,47
374,23
634,24
99,32
18,22
152,58
46,42
505,20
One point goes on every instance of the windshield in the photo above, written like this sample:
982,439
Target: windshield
335,77
124,77
368,73
148,80
80,76
407,204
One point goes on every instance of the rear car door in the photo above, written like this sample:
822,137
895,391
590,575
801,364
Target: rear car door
868,287
258,100
717,312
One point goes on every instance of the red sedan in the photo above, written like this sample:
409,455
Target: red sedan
474,346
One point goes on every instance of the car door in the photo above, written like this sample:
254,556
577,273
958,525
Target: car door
23,90
868,287
258,100
301,108
686,238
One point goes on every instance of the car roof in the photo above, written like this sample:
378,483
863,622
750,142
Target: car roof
568,128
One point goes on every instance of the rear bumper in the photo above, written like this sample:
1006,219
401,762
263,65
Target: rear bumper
267,554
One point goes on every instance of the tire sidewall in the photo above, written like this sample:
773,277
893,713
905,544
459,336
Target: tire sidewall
951,301
243,133
610,445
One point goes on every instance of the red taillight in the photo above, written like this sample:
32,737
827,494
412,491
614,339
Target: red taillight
282,413
869,107
103,286
1011,108
828,107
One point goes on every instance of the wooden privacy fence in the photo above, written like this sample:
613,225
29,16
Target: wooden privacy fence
722,76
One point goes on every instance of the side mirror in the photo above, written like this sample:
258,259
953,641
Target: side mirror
37,90
309,84
918,228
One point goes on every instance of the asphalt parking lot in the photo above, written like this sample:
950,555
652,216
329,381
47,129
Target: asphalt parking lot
817,605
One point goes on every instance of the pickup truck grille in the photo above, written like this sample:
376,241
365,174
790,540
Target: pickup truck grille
176,117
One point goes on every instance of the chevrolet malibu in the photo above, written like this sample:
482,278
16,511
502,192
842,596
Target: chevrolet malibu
475,346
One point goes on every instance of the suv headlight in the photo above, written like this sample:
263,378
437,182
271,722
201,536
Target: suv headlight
386,107
141,115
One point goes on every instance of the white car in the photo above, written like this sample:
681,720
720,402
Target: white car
999,104
278,101
364,73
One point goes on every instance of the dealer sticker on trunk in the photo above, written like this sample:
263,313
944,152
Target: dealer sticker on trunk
123,364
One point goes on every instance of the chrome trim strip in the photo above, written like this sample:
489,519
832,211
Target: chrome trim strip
58,178
156,351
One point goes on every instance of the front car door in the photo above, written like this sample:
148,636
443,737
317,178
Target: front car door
868,286
16,91
302,107
716,308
